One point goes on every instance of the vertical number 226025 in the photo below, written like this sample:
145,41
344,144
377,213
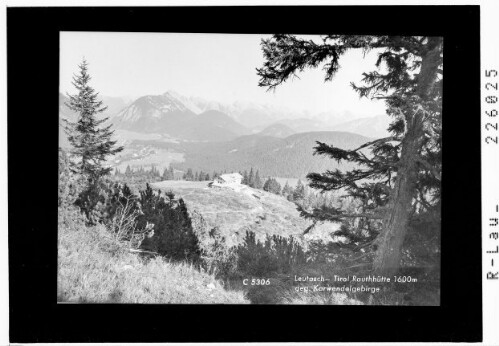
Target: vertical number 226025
491,98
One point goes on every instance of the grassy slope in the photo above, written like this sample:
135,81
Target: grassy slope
96,269
235,212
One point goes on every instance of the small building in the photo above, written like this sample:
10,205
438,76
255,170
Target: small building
228,179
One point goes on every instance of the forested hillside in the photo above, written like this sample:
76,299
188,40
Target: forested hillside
288,157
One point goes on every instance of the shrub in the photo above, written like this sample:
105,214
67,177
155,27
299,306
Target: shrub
272,185
92,200
123,225
218,257
276,255
318,298
173,234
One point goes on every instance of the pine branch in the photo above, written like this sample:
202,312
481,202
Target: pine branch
367,216
334,214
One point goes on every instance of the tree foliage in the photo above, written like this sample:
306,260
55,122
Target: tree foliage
299,191
272,185
396,176
91,143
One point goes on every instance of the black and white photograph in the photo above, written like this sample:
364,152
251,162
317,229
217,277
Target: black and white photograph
222,172
205,168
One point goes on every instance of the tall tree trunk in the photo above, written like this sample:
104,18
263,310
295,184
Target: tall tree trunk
390,241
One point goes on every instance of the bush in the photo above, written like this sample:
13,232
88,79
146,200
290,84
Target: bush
318,298
277,255
151,222
173,235
275,259
217,257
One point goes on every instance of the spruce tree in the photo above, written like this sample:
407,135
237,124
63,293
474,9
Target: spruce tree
299,192
168,173
201,176
91,143
245,180
272,185
258,182
171,172
398,176
251,178
287,191
189,176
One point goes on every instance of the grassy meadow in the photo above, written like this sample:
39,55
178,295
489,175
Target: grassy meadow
95,268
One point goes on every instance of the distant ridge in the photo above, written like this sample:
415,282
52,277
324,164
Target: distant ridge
376,127
168,114
277,130
290,157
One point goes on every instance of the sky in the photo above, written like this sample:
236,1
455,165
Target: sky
219,67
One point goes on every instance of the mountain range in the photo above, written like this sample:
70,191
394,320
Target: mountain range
195,119
192,133
167,114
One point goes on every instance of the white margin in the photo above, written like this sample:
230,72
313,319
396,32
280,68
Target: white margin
489,16
4,258
490,156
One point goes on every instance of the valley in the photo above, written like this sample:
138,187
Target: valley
159,130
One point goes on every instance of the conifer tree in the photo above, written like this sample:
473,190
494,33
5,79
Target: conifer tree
245,180
299,192
287,191
171,172
202,176
258,182
403,171
91,143
189,176
272,185
251,178
173,235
